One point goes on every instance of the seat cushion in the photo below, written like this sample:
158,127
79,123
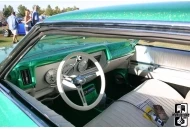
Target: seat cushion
124,114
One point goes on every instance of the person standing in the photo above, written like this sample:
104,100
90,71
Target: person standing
13,26
35,15
27,21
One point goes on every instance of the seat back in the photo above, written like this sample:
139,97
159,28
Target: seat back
168,65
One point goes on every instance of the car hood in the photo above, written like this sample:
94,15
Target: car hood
5,51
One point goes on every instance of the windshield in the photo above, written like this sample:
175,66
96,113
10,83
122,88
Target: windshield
51,43
5,51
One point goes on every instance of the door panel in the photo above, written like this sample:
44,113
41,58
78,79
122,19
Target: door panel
172,66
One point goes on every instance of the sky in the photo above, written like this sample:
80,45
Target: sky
81,4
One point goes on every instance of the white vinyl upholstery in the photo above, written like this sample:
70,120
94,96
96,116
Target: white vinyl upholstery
162,56
173,65
122,114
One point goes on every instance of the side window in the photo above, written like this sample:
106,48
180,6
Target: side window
165,45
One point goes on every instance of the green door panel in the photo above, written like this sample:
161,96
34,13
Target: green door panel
11,115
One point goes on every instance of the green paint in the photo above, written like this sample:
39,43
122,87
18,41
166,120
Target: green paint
17,79
120,49
123,72
92,96
166,11
53,49
11,115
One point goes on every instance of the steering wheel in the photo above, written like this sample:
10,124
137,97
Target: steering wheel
75,82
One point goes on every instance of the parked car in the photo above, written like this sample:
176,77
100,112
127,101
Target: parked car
21,30
113,66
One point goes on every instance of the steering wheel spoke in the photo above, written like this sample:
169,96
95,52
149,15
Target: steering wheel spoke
98,73
68,84
92,75
75,82
82,96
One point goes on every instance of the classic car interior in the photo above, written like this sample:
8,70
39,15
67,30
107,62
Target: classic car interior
95,81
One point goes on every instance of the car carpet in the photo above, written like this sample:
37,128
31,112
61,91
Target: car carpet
80,118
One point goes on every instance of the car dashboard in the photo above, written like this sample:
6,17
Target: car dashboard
37,74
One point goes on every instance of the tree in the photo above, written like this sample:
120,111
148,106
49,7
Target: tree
64,10
7,11
69,9
75,8
40,11
2,18
57,10
49,11
21,10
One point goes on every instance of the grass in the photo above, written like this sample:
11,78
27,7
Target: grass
166,45
6,41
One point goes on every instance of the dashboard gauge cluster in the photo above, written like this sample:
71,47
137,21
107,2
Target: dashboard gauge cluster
68,69
85,64
82,65
51,76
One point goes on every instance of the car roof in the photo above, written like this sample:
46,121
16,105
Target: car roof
162,11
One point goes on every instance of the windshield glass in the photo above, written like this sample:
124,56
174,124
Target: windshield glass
51,43
5,51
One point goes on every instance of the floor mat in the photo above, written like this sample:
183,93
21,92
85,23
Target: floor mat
77,118
114,90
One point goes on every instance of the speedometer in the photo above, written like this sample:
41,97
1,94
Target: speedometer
82,66
50,76
68,69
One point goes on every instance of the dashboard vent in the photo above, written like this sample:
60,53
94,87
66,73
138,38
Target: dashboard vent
26,76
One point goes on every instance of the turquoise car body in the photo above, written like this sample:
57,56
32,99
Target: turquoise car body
12,115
